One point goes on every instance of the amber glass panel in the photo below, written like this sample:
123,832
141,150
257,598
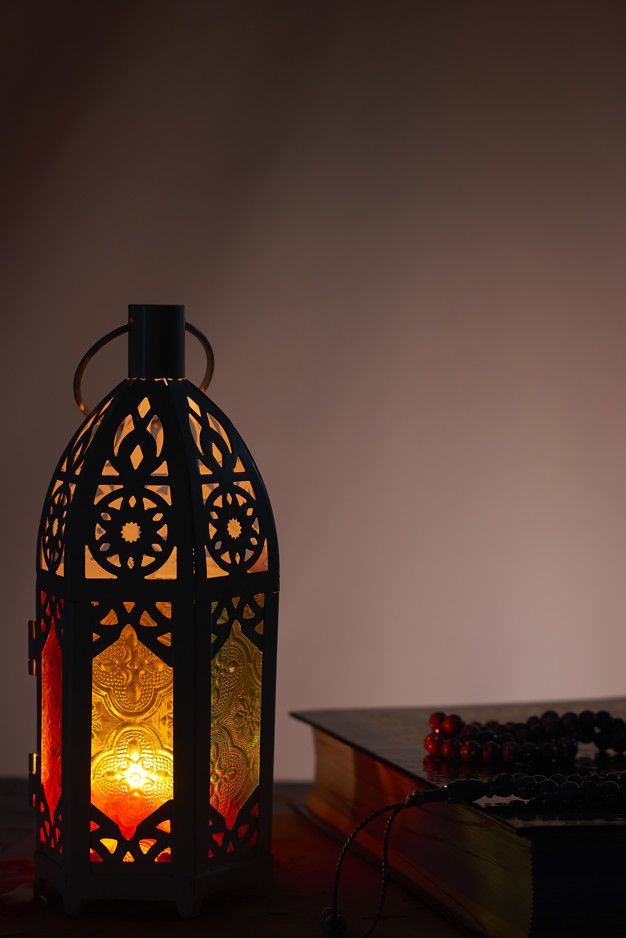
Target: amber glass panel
236,673
132,767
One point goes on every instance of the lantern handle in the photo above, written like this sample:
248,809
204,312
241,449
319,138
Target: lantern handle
89,354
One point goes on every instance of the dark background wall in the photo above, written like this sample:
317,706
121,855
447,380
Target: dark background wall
402,226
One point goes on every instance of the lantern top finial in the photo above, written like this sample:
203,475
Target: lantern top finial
156,341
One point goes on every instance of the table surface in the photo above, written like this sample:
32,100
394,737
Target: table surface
304,863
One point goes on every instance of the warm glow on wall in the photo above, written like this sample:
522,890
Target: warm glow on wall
154,643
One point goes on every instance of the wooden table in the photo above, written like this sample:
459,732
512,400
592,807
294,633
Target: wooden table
304,863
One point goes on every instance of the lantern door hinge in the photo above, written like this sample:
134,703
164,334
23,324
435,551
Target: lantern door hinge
33,765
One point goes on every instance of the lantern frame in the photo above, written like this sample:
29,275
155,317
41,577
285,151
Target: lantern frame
198,595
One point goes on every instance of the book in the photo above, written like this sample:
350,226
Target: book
498,866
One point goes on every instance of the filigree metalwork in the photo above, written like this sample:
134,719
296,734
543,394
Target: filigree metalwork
132,508
61,494
151,622
235,540
224,841
151,843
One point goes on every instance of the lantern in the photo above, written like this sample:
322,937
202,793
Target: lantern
154,642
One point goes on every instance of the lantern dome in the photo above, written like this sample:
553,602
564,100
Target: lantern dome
154,643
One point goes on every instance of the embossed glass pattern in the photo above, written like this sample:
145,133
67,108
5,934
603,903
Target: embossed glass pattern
236,680
132,767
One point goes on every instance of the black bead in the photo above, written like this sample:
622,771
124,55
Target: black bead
550,715
548,753
525,786
586,723
520,731
530,753
602,739
548,791
604,720
532,721
589,791
570,722
618,742
562,750
552,727
492,725
504,785
571,747
536,733
486,736
569,792
610,792
575,777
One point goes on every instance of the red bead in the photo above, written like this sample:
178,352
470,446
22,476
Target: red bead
451,750
452,724
491,753
511,752
470,751
432,744
436,719
469,731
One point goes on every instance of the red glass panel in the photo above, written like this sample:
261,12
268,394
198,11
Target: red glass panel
51,714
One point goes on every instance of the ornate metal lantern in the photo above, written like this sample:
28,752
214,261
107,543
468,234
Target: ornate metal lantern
154,642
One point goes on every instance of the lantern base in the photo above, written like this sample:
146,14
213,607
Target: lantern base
188,893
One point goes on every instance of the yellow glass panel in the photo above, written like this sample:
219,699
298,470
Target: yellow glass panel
143,406
261,565
132,767
93,570
168,570
193,405
236,673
